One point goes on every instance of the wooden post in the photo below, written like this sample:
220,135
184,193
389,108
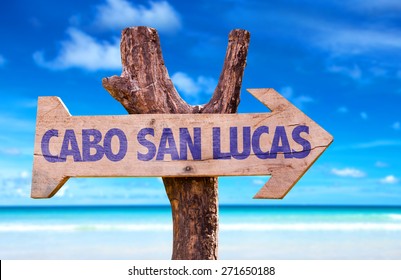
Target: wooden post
145,87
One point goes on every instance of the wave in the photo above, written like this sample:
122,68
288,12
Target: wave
396,217
81,228
223,227
314,227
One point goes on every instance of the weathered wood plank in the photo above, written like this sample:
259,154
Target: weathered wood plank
283,143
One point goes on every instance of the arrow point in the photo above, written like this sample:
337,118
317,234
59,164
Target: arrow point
285,177
52,106
272,192
45,185
281,182
46,181
261,94
271,99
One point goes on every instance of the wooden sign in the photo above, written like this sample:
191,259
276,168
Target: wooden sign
283,144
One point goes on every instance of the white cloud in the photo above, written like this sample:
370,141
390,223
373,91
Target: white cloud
376,144
27,103
364,115
342,110
2,60
12,123
185,84
378,71
10,151
301,100
343,38
207,84
15,185
381,164
287,92
373,5
61,192
298,100
350,40
258,182
83,51
348,172
119,14
370,145
396,126
353,72
390,179
193,88
24,174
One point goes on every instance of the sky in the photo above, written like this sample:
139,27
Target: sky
337,61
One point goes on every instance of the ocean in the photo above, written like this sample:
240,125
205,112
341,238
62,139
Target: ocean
246,232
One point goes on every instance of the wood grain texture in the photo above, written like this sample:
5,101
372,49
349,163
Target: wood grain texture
285,170
145,87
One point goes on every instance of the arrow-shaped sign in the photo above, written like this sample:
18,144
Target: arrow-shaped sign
283,144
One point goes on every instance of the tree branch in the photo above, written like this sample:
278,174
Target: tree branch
144,86
226,99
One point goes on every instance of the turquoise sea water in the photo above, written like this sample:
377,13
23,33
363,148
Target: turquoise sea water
246,232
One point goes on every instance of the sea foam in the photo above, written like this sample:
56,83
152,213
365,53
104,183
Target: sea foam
223,227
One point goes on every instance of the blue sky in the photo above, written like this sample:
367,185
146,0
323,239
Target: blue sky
338,61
